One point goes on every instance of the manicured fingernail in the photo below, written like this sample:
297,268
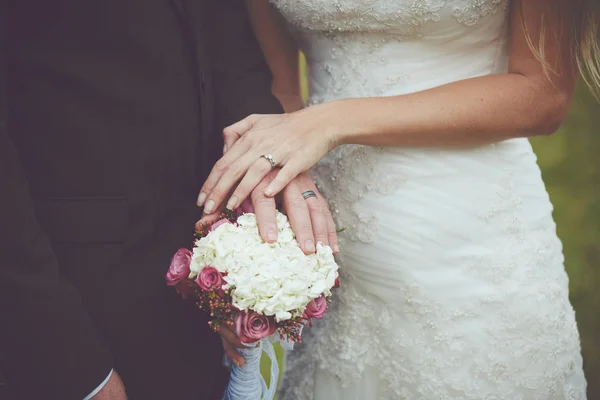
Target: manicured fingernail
232,203
269,191
224,149
209,207
272,235
310,246
336,248
201,199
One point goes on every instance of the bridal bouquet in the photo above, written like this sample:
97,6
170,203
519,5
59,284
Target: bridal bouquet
265,292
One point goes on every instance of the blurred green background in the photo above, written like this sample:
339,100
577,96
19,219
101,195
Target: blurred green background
570,163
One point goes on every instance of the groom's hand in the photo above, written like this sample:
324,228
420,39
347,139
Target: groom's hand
310,219
230,344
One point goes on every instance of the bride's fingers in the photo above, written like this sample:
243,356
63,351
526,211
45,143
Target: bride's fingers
289,171
220,168
228,181
256,173
229,139
233,132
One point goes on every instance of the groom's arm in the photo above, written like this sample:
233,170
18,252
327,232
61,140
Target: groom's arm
50,346
242,78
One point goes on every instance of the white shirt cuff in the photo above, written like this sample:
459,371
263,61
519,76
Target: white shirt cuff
99,388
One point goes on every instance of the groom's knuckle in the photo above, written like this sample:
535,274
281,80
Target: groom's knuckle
315,207
306,231
257,194
262,202
297,202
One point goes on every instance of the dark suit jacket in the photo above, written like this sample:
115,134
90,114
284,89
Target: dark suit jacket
110,118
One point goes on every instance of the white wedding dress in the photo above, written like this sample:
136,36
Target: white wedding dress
452,277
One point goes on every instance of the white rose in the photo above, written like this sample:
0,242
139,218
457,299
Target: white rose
283,316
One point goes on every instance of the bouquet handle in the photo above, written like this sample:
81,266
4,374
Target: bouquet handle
247,383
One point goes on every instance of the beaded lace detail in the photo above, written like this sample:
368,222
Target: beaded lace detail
331,177
402,16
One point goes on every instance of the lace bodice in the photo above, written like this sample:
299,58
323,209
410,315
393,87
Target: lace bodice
407,18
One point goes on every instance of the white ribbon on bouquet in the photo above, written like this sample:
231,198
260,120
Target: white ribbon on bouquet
247,383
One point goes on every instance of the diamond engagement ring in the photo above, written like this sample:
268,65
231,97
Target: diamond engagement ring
270,159
308,194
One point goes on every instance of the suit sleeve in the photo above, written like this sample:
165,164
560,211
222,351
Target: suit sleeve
242,77
50,346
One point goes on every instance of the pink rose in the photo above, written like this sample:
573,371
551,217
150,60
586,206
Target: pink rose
219,223
251,326
180,267
210,278
315,309
246,206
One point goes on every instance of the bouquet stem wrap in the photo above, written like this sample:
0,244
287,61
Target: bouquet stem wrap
247,383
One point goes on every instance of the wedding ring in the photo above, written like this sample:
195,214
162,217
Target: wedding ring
308,194
270,159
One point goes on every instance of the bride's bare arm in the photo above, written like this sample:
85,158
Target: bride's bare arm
279,50
524,102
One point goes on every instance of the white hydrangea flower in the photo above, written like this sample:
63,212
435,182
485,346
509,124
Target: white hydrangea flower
273,279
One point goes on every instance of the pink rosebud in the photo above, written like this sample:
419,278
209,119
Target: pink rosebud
251,326
246,206
180,267
218,224
315,309
210,278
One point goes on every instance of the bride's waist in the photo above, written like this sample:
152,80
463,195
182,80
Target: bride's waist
381,74
351,173
327,82
509,156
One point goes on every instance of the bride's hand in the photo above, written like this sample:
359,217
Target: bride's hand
296,142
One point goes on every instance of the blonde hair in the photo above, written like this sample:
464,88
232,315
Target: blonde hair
580,20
